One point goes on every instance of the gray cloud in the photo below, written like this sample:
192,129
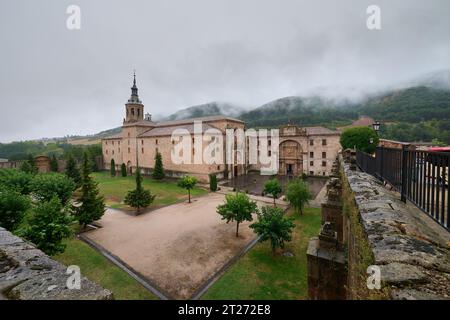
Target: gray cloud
55,82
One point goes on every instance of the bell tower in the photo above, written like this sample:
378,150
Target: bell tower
134,107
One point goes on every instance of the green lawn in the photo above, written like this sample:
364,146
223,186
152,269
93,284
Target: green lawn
260,275
97,268
115,189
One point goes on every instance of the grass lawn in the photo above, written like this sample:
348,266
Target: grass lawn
115,189
260,275
97,268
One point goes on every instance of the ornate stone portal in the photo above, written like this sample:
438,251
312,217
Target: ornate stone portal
291,158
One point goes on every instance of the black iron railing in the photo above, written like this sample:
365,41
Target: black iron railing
419,176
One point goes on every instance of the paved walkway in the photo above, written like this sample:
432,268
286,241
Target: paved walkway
178,247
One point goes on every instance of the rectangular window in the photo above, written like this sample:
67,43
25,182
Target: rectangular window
311,173
311,154
324,142
128,150
119,150
270,153
311,142
142,150
323,173
156,141
142,141
270,142
324,163
324,155
113,152
118,142
106,142
112,142
106,151
311,163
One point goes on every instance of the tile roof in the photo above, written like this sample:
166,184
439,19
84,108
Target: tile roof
319,130
168,130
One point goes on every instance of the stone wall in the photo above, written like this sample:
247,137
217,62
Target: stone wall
410,249
26,273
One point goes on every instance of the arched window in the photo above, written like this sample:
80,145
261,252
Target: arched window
132,111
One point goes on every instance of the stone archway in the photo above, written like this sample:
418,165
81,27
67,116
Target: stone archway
290,158
129,170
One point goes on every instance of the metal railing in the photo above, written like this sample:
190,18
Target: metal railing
419,176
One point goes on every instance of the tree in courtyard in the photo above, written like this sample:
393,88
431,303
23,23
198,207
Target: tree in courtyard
273,188
92,205
123,170
113,168
13,207
363,138
158,171
213,182
188,183
298,194
237,207
139,197
45,186
16,180
54,164
72,171
48,225
273,226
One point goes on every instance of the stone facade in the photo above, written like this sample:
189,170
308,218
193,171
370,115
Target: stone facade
309,150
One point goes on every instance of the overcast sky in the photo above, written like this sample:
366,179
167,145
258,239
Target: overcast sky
55,81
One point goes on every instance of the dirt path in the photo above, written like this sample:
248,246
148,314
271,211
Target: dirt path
178,247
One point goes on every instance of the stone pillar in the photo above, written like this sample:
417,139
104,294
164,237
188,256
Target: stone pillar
327,275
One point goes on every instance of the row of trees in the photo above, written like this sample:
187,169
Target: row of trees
38,206
271,225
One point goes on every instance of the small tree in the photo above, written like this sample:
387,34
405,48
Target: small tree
45,186
48,226
113,168
139,197
213,182
29,166
237,207
123,169
54,164
188,183
359,137
72,171
158,171
298,195
92,205
273,226
13,206
273,188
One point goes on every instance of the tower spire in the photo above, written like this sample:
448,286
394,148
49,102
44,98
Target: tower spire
134,91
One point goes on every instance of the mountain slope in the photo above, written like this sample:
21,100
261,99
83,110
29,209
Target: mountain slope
207,109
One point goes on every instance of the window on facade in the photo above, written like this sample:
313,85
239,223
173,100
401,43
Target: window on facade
311,154
142,141
106,151
128,134
156,141
270,153
270,142
142,149
324,142
311,163
324,155
132,111
138,112
113,143
106,142
324,163
113,152
311,142
311,173
118,142
119,150
323,173
128,150
218,167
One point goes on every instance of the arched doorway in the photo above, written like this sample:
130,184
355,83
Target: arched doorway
291,158
129,170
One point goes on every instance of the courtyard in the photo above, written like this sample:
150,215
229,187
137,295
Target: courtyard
177,248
